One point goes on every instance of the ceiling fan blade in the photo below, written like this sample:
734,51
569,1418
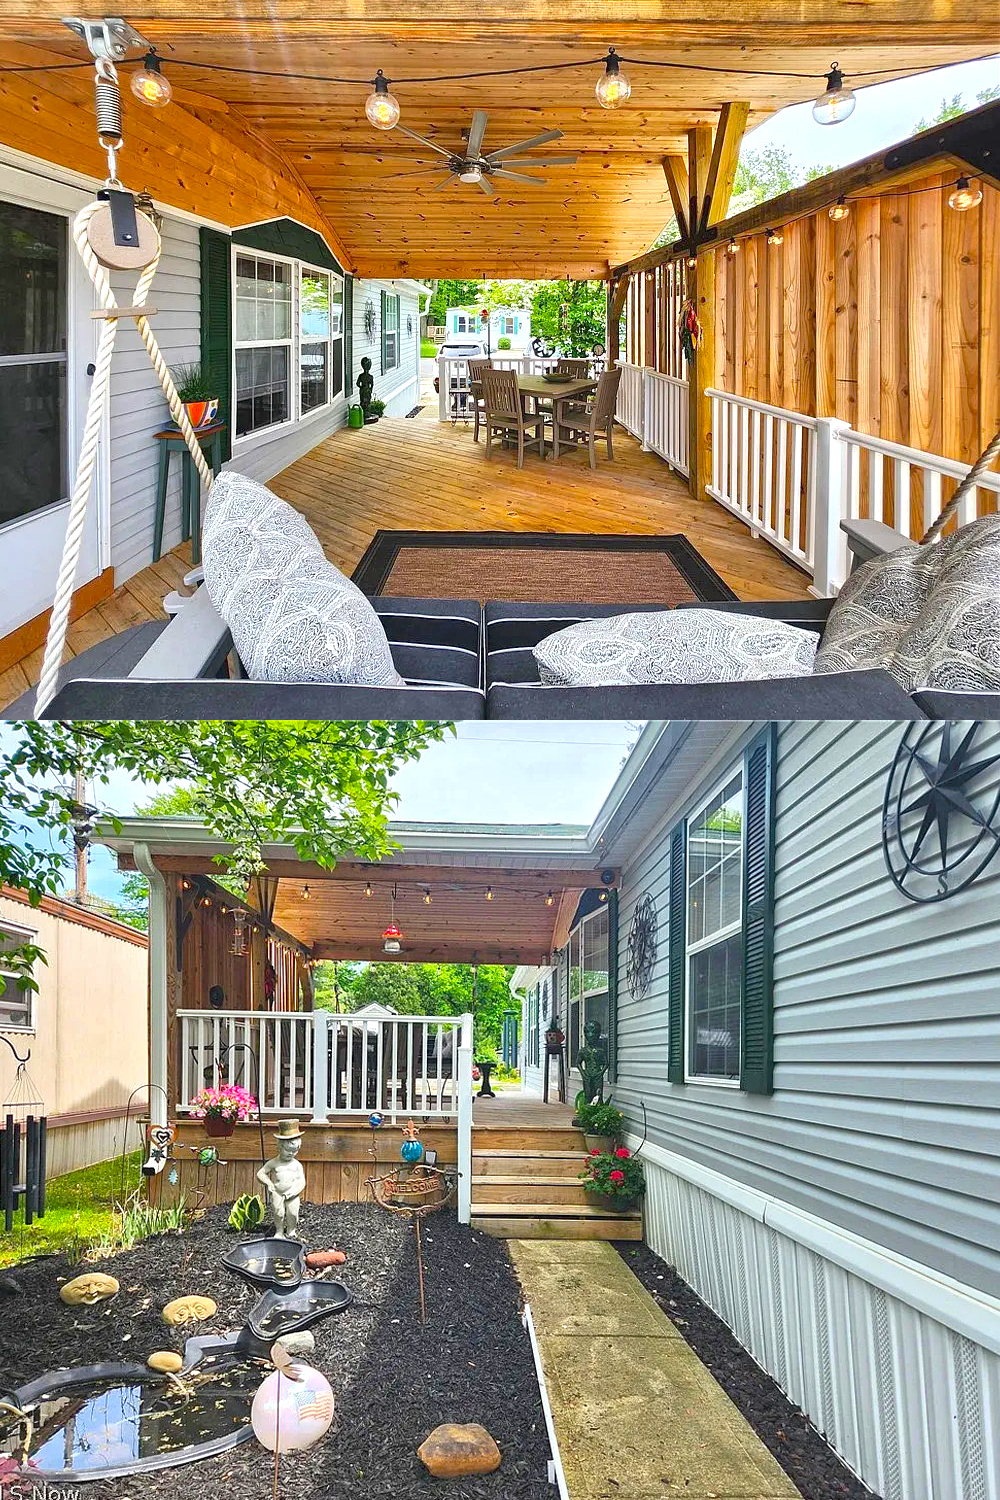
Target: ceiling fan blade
449,181
398,176
487,186
515,176
424,141
539,161
477,130
519,146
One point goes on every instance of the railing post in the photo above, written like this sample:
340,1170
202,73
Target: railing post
320,1067
465,1121
442,389
829,542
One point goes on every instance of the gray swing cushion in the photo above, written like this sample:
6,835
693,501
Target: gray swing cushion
674,646
928,615
293,616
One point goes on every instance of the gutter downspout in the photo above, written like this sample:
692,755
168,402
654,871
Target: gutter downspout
158,1102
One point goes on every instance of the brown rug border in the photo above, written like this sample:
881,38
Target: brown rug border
372,572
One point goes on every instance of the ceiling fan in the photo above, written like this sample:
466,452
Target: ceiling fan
470,164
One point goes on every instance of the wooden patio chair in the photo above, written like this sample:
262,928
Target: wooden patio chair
575,424
578,368
477,368
505,414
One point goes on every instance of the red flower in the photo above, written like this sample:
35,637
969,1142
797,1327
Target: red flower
617,1176
594,1152
623,1153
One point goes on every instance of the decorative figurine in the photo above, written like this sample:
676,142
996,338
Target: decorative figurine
592,1061
285,1180
411,1150
159,1139
366,386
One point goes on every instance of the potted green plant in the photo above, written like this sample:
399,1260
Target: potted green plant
554,1036
196,386
602,1125
376,407
613,1180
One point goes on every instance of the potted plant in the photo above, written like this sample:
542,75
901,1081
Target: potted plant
220,1108
377,407
602,1125
613,1180
197,389
554,1037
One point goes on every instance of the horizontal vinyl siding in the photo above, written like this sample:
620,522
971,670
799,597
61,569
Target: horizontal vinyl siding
399,388
138,408
885,1113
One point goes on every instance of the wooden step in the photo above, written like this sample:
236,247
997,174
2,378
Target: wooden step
555,1221
526,1189
490,1138
551,1164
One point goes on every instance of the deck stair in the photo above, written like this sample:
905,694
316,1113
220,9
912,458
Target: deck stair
525,1186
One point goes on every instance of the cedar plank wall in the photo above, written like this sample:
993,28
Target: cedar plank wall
889,319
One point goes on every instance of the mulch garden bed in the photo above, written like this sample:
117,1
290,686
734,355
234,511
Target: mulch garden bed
393,1380
784,1429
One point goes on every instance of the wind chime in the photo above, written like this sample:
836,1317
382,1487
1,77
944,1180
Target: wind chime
23,1146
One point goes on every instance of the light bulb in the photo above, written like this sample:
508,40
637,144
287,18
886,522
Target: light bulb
692,261
305,893
775,237
381,107
489,893
550,899
149,84
613,88
368,888
839,210
836,102
472,173
965,196
427,898
733,248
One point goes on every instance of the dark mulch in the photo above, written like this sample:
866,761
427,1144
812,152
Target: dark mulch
393,1380
787,1432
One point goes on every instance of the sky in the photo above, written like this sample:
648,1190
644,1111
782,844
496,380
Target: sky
885,113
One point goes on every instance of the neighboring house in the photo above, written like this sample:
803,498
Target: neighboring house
85,1029
513,323
268,307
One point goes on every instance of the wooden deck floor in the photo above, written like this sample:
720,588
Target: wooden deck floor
514,1110
420,474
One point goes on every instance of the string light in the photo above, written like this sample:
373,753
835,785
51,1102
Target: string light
381,107
733,248
836,102
692,262
965,196
839,210
427,898
550,899
185,885
305,893
603,896
368,888
149,83
489,893
613,87
775,237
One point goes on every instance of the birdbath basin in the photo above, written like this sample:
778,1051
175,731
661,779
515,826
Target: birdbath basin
268,1264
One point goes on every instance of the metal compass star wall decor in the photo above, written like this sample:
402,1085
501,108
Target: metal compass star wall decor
941,815
641,948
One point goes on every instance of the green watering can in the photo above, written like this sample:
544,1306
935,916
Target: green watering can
355,416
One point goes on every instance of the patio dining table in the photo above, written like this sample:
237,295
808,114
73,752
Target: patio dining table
557,392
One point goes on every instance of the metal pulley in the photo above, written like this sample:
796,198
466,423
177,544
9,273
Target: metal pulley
121,236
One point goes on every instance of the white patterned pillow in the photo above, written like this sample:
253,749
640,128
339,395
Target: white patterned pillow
293,616
928,615
674,646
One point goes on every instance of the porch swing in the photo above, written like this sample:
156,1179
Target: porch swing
458,659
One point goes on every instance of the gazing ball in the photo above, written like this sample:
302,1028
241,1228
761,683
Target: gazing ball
293,1413
207,1156
411,1151
375,1121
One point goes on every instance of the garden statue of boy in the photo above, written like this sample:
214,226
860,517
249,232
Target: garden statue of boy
366,386
592,1061
285,1180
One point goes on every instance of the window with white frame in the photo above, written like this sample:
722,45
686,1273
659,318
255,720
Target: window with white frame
390,332
588,980
461,323
287,336
534,1049
17,1011
715,934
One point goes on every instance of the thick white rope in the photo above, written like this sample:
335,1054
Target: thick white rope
59,620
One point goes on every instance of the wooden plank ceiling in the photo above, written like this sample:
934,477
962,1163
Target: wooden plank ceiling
607,208
337,919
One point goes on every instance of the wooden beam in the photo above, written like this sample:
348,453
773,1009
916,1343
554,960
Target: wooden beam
725,159
675,170
386,874
701,287
434,953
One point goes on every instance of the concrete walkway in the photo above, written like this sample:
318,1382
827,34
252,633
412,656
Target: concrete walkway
636,1412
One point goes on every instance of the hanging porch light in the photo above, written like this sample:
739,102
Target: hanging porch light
965,196
238,944
839,210
390,939
775,237
613,87
836,102
149,83
382,107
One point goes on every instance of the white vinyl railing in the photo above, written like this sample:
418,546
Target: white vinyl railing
453,377
876,472
630,408
665,424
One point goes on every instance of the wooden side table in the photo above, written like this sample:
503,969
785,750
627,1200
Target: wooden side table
169,439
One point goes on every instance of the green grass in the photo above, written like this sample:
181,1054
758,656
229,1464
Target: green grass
428,349
78,1212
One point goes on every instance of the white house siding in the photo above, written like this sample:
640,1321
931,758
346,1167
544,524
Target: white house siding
137,405
880,1140
399,388
262,458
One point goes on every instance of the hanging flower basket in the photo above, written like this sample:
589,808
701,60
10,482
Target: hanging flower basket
220,1109
219,1126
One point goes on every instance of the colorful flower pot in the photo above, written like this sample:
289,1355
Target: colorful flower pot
202,413
603,1143
218,1126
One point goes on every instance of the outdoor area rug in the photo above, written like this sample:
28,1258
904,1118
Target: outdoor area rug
538,568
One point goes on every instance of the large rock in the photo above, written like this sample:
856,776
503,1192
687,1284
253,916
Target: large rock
452,1450
166,1361
299,1344
85,1290
318,1260
188,1310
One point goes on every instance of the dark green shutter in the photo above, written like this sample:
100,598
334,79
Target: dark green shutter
613,985
757,1053
385,299
677,954
217,322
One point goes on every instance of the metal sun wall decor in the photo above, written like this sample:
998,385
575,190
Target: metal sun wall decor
941,814
641,947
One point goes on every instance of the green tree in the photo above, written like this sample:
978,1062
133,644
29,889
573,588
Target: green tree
424,990
325,787
452,293
571,314
950,109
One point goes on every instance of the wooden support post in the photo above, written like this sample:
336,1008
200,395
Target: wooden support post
725,159
676,172
617,292
701,288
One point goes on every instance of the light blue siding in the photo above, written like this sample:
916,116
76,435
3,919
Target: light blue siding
885,1117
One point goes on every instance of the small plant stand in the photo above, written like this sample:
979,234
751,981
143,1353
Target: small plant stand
169,439
550,1057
